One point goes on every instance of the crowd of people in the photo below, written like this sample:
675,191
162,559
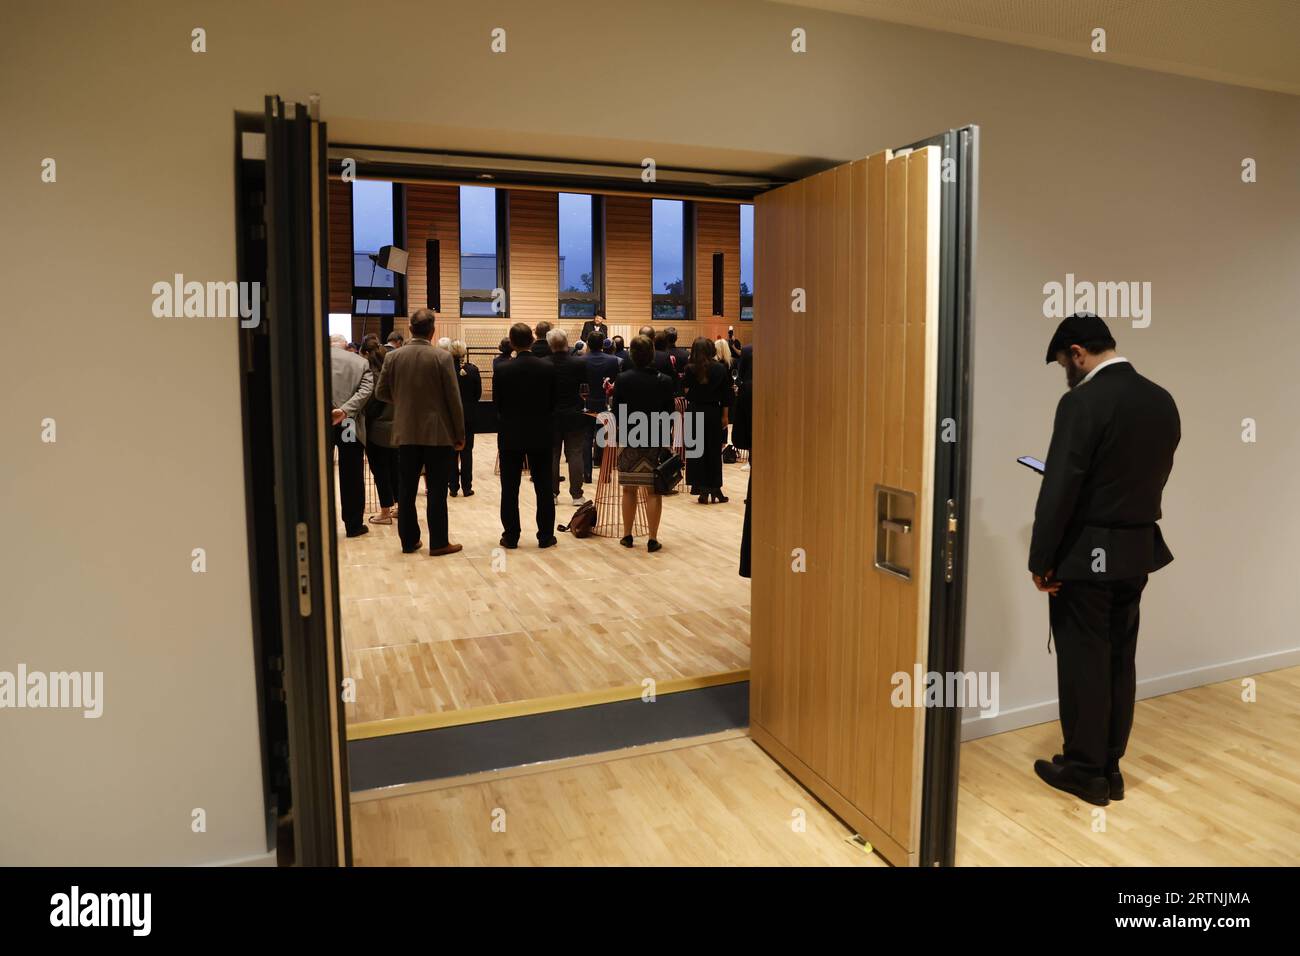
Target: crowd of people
407,407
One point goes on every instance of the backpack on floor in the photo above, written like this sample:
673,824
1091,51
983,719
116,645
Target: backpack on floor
583,521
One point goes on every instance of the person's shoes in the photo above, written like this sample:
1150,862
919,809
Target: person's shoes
719,497
468,493
703,499
508,544
452,492
626,541
380,519
1114,778
1094,790
418,545
579,501
652,545
550,542
358,532
445,549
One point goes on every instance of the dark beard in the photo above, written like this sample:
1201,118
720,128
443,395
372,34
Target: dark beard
1073,375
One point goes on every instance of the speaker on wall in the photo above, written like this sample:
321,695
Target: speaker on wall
433,274
393,259
717,283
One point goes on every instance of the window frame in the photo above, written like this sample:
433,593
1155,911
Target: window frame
686,301
396,293
746,301
597,294
502,200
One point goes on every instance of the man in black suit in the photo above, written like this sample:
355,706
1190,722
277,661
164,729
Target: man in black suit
524,393
540,348
570,419
680,355
594,325
1095,540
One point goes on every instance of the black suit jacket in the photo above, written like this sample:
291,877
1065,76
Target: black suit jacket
524,393
590,326
746,372
570,375
1112,451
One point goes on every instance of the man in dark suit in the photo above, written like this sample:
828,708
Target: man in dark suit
1095,540
350,386
746,371
539,346
600,366
626,356
594,325
680,355
570,419
524,393
419,381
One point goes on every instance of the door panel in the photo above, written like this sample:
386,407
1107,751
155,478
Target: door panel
845,403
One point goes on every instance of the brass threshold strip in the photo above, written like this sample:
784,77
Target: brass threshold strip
367,730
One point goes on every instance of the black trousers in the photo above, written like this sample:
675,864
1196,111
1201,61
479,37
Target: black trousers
435,460
1095,625
383,466
352,478
539,469
462,466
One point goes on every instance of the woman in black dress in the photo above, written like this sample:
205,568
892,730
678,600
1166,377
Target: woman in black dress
708,399
644,393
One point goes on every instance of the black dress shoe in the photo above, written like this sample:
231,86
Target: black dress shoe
412,550
468,493
719,497
508,544
358,532
1114,778
452,492
652,545
626,541
1092,790
550,542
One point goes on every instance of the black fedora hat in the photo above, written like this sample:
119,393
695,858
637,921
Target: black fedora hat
1079,329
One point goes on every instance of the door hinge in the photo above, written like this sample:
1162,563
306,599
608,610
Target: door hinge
304,571
950,543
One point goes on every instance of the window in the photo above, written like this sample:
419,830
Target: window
670,256
580,260
747,262
374,289
483,267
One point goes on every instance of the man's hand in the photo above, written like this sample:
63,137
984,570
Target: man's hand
1045,583
460,445
337,416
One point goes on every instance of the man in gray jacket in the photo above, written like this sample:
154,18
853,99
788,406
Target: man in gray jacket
419,381
351,383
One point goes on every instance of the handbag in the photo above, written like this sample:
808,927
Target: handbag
668,472
583,521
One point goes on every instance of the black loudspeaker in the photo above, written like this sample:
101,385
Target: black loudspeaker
717,283
393,259
433,273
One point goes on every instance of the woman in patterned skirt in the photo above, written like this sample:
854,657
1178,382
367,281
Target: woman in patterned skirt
642,397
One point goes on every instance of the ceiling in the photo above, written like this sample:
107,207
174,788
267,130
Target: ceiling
1252,43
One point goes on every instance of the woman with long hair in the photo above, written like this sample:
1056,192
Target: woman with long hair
708,399
646,393
381,448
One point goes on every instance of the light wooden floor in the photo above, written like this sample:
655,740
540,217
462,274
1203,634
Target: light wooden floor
426,635
722,803
1211,781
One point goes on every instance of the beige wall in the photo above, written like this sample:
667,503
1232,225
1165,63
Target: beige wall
1107,172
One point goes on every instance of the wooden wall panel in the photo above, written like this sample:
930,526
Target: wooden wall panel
433,212
534,256
627,261
340,245
861,240
717,229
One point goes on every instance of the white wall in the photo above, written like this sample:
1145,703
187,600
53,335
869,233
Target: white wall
1108,172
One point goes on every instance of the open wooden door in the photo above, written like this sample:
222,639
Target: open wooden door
859,484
